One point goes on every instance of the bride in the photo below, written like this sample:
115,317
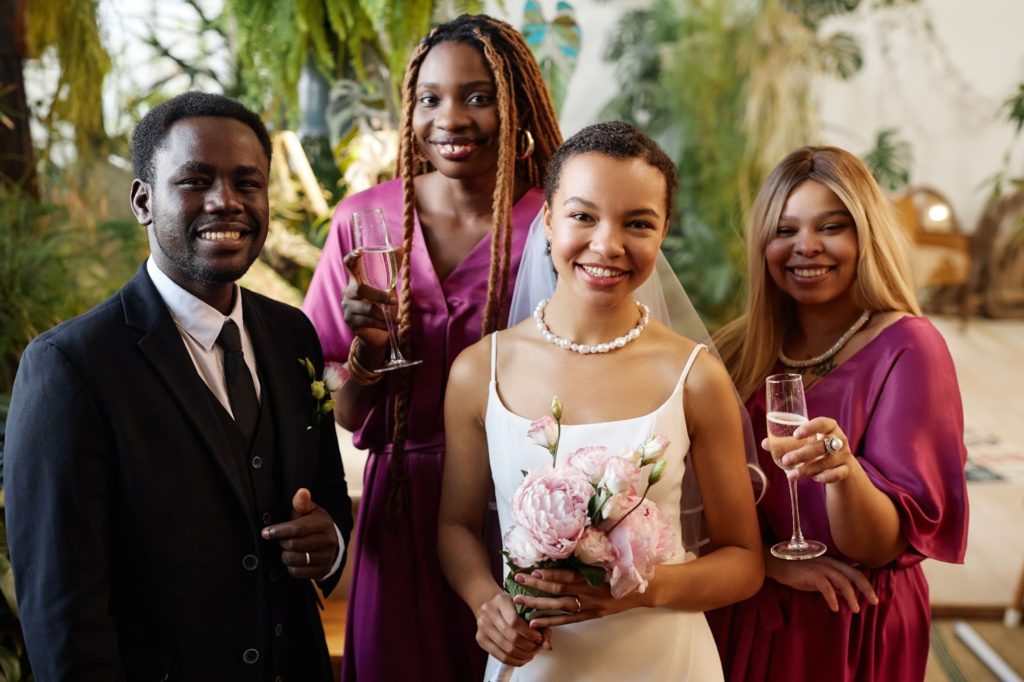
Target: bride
608,197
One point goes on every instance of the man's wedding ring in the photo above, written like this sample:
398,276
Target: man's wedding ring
307,558
833,444
579,606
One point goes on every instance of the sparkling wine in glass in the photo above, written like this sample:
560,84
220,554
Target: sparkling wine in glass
378,268
787,410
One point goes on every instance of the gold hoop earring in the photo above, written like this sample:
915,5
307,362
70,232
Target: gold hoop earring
528,151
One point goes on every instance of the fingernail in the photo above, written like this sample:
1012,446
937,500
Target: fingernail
536,574
266,533
520,578
874,600
518,599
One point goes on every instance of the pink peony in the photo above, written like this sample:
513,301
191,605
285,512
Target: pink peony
590,461
544,431
595,548
618,506
520,545
551,506
620,475
641,541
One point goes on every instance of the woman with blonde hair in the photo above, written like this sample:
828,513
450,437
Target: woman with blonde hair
477,130
880,470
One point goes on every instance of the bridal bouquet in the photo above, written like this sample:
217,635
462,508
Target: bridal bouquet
586,512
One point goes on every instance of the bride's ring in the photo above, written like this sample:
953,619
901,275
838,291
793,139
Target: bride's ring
579,606
307,558
833,444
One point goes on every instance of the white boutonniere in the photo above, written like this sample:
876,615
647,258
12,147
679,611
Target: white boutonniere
322,388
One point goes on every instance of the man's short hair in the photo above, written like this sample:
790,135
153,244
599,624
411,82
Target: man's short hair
150,131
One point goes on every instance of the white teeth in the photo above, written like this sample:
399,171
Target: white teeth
455,148
601,272
809,272
217,236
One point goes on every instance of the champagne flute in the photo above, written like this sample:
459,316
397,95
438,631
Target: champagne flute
378,268
787,410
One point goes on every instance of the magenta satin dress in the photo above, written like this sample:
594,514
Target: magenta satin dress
404,621
898,402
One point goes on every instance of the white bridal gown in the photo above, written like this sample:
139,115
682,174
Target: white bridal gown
641,644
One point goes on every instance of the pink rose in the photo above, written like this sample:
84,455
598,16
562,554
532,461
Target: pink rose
641,541
620,475
551,505
590,461
544,431
594,548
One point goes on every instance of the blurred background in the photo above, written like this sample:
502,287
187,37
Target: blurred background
930,93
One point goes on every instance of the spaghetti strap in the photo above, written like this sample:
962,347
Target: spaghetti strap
689,363
494,356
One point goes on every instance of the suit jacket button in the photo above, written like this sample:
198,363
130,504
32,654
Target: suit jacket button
250,656
278,629
250,562
267,518
257,462
273,575
278,679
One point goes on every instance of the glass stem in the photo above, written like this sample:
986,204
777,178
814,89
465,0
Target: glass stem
395,351
798,535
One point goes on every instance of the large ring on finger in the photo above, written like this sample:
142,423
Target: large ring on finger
579,605
833,444
307,558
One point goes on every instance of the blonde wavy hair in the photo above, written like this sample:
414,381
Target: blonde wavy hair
750,344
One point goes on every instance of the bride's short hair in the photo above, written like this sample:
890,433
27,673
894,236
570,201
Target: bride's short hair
618,140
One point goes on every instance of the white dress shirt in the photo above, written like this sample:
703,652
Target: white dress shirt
199,325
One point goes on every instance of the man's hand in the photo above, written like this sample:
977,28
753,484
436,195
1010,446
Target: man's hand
309,541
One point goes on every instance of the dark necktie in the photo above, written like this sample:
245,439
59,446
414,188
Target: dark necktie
241,390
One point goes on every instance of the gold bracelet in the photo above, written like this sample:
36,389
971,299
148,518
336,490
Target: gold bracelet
360,374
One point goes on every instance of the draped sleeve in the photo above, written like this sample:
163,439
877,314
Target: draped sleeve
913,445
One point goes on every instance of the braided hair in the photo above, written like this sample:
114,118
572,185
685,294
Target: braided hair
523,103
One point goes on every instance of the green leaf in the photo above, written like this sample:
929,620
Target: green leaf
840,55
889,160
594,575
7,584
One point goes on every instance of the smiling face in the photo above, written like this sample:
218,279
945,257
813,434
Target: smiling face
606,221
455,116
207,207
813,255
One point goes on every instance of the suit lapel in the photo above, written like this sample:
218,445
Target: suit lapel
284,380
162,346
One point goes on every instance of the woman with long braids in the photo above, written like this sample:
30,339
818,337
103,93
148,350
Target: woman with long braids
476,135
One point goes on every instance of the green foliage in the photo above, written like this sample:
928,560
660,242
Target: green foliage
69,31
1016,106
890,160
725,88
348,39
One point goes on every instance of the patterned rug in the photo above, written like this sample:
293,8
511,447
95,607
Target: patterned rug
989,458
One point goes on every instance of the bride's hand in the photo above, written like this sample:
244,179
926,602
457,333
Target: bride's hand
504,635
572,594
832,577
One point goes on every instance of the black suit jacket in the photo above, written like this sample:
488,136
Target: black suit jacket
127,522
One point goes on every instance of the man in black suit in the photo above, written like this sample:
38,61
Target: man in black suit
171,491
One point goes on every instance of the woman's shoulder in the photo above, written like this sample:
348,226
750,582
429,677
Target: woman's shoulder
378,196
897,330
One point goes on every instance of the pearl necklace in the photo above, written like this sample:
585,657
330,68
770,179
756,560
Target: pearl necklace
836,347
584,348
